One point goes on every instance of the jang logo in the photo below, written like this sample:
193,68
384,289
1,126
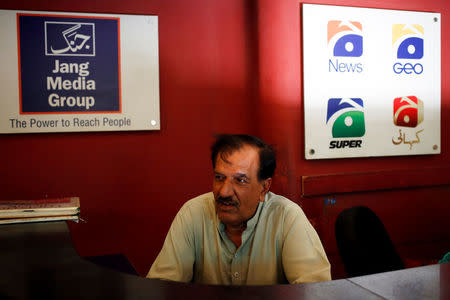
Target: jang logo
408,111
69,39
345,38
346,116
407,39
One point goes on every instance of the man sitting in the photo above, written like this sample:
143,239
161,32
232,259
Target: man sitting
241,233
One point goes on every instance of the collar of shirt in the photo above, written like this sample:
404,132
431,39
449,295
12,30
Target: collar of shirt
251,224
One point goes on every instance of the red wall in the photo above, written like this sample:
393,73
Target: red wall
225,66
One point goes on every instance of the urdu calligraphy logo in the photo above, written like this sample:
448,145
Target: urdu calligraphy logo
408,112
408,40
69,39
347,117
346,38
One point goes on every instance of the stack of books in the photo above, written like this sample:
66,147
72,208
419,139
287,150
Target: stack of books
25,211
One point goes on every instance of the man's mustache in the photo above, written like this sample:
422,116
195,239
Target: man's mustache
226,201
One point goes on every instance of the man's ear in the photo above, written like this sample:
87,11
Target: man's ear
266,186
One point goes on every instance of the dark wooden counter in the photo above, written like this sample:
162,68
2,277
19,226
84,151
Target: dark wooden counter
38,261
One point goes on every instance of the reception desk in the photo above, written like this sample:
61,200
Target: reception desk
38,261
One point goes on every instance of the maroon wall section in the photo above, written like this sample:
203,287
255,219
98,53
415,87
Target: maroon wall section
225,66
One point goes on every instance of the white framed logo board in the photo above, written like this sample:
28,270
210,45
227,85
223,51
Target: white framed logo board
372,82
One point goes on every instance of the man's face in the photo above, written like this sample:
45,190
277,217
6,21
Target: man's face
236,187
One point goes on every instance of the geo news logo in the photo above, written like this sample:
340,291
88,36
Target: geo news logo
345,41
345,116
69,39
408,111
345,38
407,42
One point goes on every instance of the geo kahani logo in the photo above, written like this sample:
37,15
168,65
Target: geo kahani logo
345,38
407,40
346,116
69,39
408,111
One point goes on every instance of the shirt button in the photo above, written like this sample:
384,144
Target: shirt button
236,274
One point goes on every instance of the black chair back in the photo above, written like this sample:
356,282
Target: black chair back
364,244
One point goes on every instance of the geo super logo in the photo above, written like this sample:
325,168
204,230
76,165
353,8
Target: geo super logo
345,38
408,111
346,116
407,42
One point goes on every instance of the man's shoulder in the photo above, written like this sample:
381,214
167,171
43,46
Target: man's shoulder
275,201
199,204
201,199
197,211
281,207
284,213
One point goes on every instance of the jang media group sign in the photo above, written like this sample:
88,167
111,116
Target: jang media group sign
68,64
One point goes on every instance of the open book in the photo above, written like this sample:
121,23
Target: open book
21,211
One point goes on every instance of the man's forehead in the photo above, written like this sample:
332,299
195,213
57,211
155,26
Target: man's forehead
244,157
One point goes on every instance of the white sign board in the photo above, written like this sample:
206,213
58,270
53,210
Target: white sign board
64,72
372,82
